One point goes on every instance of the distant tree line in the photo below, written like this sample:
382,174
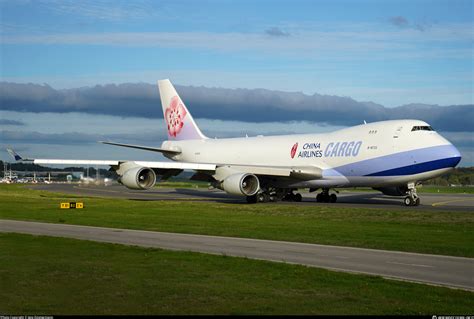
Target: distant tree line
458,176
38,168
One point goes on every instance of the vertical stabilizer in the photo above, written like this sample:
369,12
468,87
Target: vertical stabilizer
14,154
178,121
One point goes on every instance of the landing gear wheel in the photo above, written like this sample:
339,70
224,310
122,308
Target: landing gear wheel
412,198
325,198
297,197
263,198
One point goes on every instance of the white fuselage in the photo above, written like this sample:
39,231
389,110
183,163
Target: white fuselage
375,154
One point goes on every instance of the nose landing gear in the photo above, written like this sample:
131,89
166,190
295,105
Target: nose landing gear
412,198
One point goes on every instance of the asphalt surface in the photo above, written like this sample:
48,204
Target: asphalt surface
429,201
456,272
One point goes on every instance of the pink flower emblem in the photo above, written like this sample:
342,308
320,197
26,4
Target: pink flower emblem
174,116
293,150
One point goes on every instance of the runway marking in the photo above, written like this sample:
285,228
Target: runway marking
414,265
451,201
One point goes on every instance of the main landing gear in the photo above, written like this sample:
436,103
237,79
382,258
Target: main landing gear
293,197
324,197
412,198
274,195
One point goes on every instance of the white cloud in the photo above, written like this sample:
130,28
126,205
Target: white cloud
404,43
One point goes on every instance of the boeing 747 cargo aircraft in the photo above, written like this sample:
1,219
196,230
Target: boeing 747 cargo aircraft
389,156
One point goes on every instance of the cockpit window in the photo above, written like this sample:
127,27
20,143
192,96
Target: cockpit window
422,128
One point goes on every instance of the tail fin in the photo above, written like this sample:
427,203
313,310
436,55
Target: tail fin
16,156
179,122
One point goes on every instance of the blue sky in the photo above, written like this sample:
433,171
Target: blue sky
389,52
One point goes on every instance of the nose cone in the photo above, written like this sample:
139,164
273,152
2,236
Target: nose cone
454,155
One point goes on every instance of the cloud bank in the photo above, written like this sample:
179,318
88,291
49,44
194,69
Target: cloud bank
255,105
11,122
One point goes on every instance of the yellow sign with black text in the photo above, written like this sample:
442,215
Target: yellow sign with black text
71,205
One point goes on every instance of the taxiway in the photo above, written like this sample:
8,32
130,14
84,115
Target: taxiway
356,199
456,272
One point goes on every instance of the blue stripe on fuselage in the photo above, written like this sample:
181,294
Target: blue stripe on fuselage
420,168
442,156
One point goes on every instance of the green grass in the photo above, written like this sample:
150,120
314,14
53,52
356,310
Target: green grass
446,189
446,233
46,275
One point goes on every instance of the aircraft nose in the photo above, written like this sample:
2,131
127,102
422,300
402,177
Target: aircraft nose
455,155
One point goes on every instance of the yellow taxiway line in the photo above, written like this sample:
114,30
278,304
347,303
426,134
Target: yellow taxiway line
451,201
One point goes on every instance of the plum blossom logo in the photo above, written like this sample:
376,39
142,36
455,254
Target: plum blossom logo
174,116
293,150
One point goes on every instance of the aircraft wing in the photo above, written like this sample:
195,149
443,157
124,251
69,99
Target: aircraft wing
295,172
301,172
146,148
298,172
152,164
72,162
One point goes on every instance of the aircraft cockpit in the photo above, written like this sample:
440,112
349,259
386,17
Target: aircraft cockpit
422,128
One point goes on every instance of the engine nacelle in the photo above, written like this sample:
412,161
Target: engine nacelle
393,190
242,184
138,178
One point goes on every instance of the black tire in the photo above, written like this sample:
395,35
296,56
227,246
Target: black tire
297,197
417,201
408,201
263,198
319,198
333,198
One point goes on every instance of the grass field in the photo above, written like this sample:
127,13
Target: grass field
446,189
447,233
46,275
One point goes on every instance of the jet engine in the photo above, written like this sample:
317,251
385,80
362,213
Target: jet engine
138,178
242,184
400,190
